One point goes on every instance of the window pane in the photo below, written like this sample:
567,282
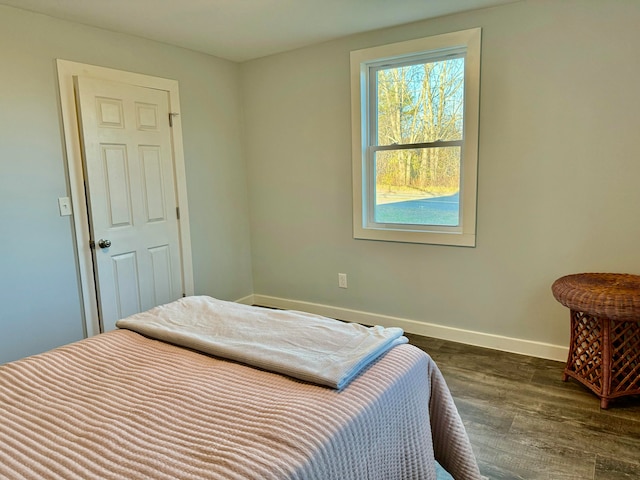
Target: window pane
420,103
417,186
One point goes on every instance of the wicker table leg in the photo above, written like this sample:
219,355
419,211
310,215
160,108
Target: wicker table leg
605,395
624,346
585,352
604,355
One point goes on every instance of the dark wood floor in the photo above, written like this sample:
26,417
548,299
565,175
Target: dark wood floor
525,423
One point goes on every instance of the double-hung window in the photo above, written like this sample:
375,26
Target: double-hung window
415,108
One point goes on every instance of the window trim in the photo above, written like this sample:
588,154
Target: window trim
361,111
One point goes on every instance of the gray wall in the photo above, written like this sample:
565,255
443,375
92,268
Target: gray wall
39,288
558,173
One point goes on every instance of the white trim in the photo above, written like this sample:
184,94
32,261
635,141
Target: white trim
469,337
66,71
248,300
463,235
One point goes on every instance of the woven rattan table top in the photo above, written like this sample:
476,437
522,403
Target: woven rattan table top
611,295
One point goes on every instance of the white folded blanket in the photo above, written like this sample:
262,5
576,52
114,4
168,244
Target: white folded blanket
301,345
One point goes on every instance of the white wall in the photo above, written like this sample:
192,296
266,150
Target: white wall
558,175
39,289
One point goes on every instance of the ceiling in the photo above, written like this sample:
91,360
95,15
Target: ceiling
241,30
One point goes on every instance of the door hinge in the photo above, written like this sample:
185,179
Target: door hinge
171,115
184,295
178,212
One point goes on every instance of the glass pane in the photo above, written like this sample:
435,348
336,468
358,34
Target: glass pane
420,103
418,186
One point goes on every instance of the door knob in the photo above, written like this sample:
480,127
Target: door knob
104,243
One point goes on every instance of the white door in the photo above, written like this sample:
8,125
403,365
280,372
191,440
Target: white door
131,196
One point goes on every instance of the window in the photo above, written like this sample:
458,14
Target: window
415,109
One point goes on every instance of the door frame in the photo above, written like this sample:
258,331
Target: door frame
66,71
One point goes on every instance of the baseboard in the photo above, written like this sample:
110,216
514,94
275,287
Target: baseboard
248,300
469,337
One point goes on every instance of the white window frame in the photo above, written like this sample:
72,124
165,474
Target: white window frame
362,115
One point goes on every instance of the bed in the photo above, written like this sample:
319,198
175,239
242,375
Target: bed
125,405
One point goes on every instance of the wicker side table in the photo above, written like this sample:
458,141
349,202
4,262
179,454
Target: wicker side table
604,353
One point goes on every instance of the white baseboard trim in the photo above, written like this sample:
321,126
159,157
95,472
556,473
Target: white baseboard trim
469,337
248,300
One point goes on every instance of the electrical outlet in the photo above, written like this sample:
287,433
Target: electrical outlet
342,280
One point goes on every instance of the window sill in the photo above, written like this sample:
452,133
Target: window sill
457,239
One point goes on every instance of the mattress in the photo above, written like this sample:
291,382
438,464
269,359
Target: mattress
122,405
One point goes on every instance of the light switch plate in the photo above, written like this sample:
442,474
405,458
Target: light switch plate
64,203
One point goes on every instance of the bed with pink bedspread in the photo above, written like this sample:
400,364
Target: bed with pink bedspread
122,405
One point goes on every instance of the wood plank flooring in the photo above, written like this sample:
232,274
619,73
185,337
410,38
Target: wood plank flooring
524,422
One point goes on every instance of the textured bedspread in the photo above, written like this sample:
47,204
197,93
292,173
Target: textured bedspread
122,406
